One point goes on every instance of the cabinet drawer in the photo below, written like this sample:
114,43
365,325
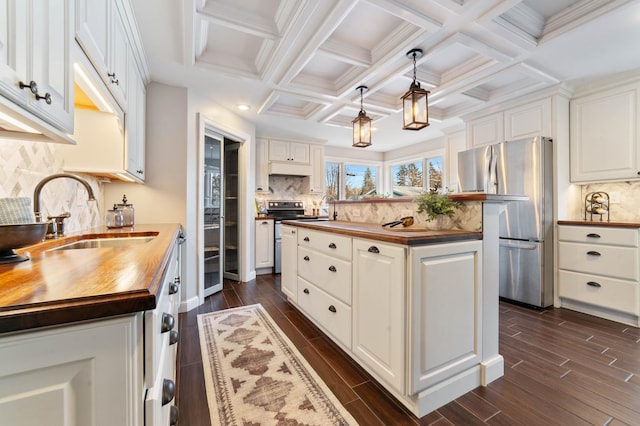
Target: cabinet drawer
330,274
599,235
612,261
331,244
612,293
330,313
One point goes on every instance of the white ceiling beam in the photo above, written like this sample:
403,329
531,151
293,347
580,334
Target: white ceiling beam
345,52
239,20
408,14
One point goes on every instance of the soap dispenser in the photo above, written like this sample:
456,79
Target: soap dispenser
127,211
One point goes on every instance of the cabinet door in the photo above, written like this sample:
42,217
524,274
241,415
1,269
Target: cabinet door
486,130
278,150
445,312
13,49
289,272
533,119
118,57
92,21
299,152
379,309
316,181
135,123
262,166
604,135
264,243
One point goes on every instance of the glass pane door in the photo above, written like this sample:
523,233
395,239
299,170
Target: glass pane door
213,186
231,210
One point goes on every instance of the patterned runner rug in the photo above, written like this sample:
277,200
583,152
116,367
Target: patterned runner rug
255,376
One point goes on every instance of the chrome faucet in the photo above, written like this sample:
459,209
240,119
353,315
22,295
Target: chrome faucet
56,227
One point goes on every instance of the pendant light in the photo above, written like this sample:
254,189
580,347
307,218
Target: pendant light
361,125
415,109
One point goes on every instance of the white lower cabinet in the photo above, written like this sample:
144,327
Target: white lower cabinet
409,315
379,307
599,271
264,244
115,371
289,259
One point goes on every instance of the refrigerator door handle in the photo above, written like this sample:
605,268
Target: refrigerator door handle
492,175
518,244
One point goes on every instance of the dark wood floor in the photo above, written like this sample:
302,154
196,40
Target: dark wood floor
561,368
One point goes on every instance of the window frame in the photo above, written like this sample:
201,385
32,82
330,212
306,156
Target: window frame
342,163
424,159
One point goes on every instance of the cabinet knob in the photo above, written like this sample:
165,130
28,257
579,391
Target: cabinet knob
332,246
638,173
173,337
373,249
168,391
305,291
593,253
594,284
306,239
173,416
306,258
140,172
168,322
114,80
592,235
177,280
32,86
332,309
173,288
332,268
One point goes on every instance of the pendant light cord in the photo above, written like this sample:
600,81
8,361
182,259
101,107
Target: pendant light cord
414,67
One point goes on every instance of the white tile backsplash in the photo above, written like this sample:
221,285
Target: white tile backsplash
23,164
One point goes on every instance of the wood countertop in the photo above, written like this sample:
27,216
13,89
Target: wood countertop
606,224
410,236
61,286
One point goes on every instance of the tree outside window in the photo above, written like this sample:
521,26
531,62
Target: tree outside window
434,173
407,179
332,180
360,181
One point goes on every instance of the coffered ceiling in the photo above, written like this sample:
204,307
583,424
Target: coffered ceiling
298,62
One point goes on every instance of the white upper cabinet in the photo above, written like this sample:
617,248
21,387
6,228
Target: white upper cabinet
316,183
286,151
101,33
35,64
135,123
523,121
604,135
262,165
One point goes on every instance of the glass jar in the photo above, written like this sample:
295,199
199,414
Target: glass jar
127,211
115,218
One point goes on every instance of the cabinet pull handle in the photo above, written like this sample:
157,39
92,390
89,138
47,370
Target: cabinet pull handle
306,258
173,416
177,280
305,291
173,288
592,235
32,86
332,309
332,246
168,391
594,284
114,80
167,322
259,188
306,239
373,249
593,253
46,97
332,268
173,337
265,222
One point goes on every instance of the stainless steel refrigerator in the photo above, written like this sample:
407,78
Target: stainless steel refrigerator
522,167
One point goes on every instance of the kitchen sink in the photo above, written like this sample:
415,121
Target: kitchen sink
105,242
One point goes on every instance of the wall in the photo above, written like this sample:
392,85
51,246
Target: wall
628,207
23,164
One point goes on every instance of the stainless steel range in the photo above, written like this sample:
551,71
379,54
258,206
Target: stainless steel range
282,210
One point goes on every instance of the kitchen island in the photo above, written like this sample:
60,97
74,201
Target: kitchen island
87,335
411,306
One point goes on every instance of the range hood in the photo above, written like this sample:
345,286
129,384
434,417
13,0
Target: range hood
289,169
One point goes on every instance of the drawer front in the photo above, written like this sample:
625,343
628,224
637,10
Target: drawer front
601,291
330,313
330,274
325,242
599,235
611,261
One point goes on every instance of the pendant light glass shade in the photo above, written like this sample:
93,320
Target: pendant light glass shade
415,106
361,125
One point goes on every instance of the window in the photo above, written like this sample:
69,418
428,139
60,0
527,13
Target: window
412,178
350,181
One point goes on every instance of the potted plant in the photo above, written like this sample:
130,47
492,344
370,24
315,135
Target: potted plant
436,204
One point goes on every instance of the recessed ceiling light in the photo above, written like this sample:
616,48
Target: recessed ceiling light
243,107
